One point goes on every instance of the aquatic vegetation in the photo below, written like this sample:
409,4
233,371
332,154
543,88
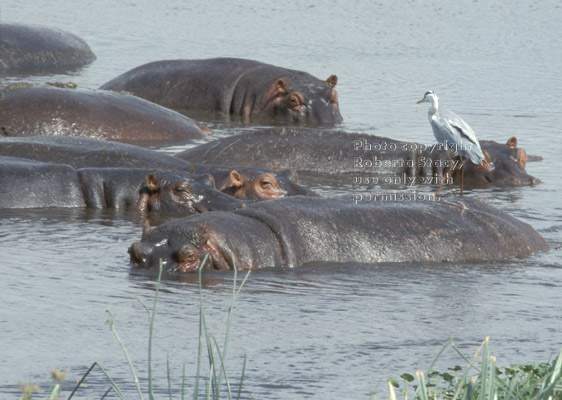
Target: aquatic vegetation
482,380
28,389
213,386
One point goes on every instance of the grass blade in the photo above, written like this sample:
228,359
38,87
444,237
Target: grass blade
422,387
241,379
168,375
111,322
151,330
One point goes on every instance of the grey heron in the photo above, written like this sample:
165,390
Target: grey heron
454,133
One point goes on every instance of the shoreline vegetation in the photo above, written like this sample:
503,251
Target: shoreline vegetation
480,379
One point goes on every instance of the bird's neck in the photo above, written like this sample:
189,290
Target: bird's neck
433,107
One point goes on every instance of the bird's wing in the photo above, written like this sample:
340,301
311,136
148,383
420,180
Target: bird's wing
457,124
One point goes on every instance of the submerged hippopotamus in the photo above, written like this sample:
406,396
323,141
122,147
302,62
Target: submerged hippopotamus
86,153
32,184
264,186
34,111
295,231
372,158
170,192
255,183
246,88
162,192
32,47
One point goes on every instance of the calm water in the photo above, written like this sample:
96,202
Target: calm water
327,332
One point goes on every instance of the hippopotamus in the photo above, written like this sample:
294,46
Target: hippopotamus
250,188
34,111
33,47
506,163
32,184
169,192
87,152
296,231
254,183
369,158
246,88
177,192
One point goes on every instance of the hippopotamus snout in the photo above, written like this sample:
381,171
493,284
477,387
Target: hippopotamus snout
525,180
141,255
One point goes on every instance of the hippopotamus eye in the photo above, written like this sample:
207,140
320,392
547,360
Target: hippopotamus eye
187,258
183,187
296,100
293,102
266,184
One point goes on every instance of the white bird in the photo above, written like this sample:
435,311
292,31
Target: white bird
453,132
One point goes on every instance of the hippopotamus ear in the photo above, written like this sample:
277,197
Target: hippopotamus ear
152,182
332,81
236,178
289,174
487,159
512,142
281,86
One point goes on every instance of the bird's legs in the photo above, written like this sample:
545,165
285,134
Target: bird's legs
463,161
445,178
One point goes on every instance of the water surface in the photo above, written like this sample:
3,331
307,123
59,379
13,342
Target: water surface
325,331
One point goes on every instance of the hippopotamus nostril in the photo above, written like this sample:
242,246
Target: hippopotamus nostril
138,258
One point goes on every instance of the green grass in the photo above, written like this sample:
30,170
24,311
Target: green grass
481,379
214,385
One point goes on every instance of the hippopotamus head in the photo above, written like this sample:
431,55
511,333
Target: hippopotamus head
177,252
310,100
254,184
184,196
216,240
504,166
254,188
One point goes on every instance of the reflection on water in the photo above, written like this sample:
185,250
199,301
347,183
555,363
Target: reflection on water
330,331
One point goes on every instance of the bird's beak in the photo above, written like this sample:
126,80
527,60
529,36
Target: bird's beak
420,101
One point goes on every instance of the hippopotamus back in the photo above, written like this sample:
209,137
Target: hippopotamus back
295,231
247,88
33,47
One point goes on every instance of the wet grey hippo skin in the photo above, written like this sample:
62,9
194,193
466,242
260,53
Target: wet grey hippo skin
246,88
87,152
34,47
295,231
336,152
33,184
35,111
